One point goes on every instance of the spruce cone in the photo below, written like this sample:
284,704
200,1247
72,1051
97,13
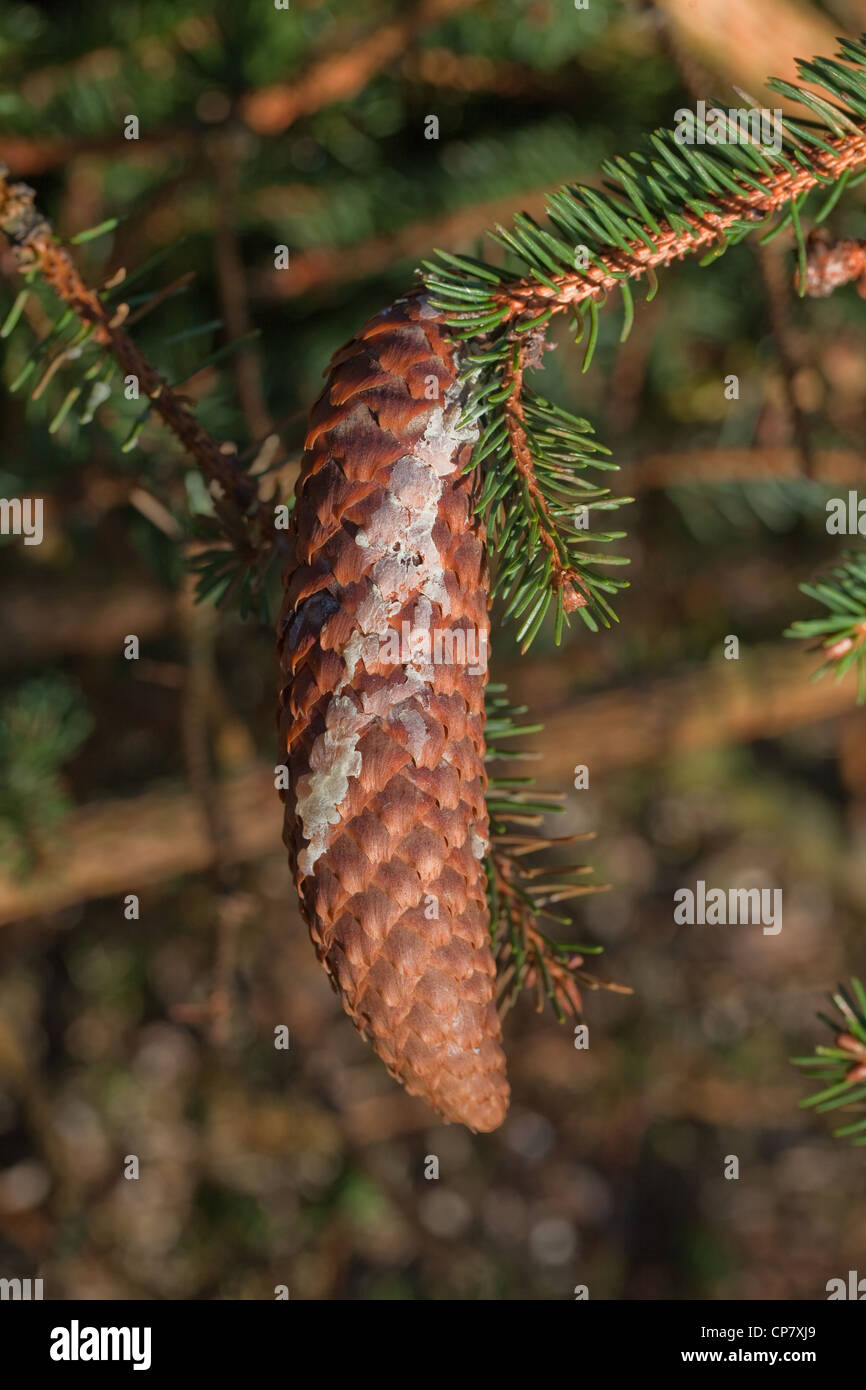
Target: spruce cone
384,730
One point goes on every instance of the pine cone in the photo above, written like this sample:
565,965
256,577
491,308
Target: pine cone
386,820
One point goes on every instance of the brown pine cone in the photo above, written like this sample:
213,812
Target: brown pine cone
383,720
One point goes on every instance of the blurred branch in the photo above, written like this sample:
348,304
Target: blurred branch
86,619
476,72
742,41
231,281
340,76
721,702
116,847
313,270
34,155
777,290
270,110
739,465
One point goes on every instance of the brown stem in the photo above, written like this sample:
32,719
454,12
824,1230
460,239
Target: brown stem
35,247
565,578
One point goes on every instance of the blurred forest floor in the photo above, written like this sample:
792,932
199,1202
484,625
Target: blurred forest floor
154,1036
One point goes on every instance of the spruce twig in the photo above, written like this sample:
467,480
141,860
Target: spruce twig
667,201
565,578
722,215
843,630
841,1068
38,250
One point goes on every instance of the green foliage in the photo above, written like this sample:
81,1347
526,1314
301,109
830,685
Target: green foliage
83,375
560,503
842,1065
843,594
664,195
41,726
520,896
236,566
715,508
664,187
233,559
506,794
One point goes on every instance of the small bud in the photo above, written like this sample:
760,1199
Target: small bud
840,648
571,599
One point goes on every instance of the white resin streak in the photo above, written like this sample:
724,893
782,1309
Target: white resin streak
399,538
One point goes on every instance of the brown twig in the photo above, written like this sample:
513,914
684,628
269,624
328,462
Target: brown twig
565,579
36,247
526,958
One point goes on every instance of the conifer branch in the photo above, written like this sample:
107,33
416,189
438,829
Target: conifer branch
843,630
667,201
720,217
843,1065
243,519
520,896
37,248
565,578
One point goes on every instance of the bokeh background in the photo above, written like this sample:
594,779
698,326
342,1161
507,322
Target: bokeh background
154,1036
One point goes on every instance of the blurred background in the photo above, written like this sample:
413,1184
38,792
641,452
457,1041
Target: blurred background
153,1036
